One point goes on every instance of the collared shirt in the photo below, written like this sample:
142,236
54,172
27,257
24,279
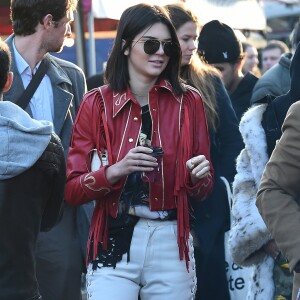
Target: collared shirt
41,103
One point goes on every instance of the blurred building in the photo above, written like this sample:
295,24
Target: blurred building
258,20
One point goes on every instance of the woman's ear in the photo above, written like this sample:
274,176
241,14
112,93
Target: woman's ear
126,51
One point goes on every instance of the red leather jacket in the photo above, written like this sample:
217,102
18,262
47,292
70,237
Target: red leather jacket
170,113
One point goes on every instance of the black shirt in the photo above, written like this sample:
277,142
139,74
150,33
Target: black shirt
240,98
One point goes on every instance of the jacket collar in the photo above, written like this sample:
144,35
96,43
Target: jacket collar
120,99
61,85
55,72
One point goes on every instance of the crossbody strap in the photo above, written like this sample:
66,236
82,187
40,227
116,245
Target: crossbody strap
107,139
34,83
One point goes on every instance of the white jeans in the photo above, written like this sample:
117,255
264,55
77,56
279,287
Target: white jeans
154,271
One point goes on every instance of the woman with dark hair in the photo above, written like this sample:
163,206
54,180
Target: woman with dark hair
149,131
211,217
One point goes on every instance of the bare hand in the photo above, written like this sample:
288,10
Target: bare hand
136,160
198,167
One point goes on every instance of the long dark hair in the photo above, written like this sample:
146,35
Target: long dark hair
197,74
133,21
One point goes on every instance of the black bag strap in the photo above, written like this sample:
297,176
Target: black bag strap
24,99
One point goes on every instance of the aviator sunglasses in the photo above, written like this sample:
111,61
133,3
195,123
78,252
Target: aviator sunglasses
151,46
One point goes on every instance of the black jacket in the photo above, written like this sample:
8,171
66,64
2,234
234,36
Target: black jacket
240,98
211,217
276,110
29,202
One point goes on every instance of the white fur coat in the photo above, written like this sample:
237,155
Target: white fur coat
248,232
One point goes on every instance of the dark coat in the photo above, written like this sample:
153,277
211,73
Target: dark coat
29,202
275,82
276,110
211,217
240,98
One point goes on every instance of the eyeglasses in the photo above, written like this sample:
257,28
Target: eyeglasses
151,46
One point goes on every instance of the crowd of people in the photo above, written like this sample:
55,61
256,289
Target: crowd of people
125,185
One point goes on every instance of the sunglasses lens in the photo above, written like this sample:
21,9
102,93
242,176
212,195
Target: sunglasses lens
151,46
169,48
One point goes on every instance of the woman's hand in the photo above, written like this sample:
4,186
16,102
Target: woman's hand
136,160
198,168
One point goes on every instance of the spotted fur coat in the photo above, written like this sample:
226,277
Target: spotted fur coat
248,232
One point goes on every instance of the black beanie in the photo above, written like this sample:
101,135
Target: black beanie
218,43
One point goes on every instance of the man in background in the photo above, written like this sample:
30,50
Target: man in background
271,54
276,81
219,46
41,26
